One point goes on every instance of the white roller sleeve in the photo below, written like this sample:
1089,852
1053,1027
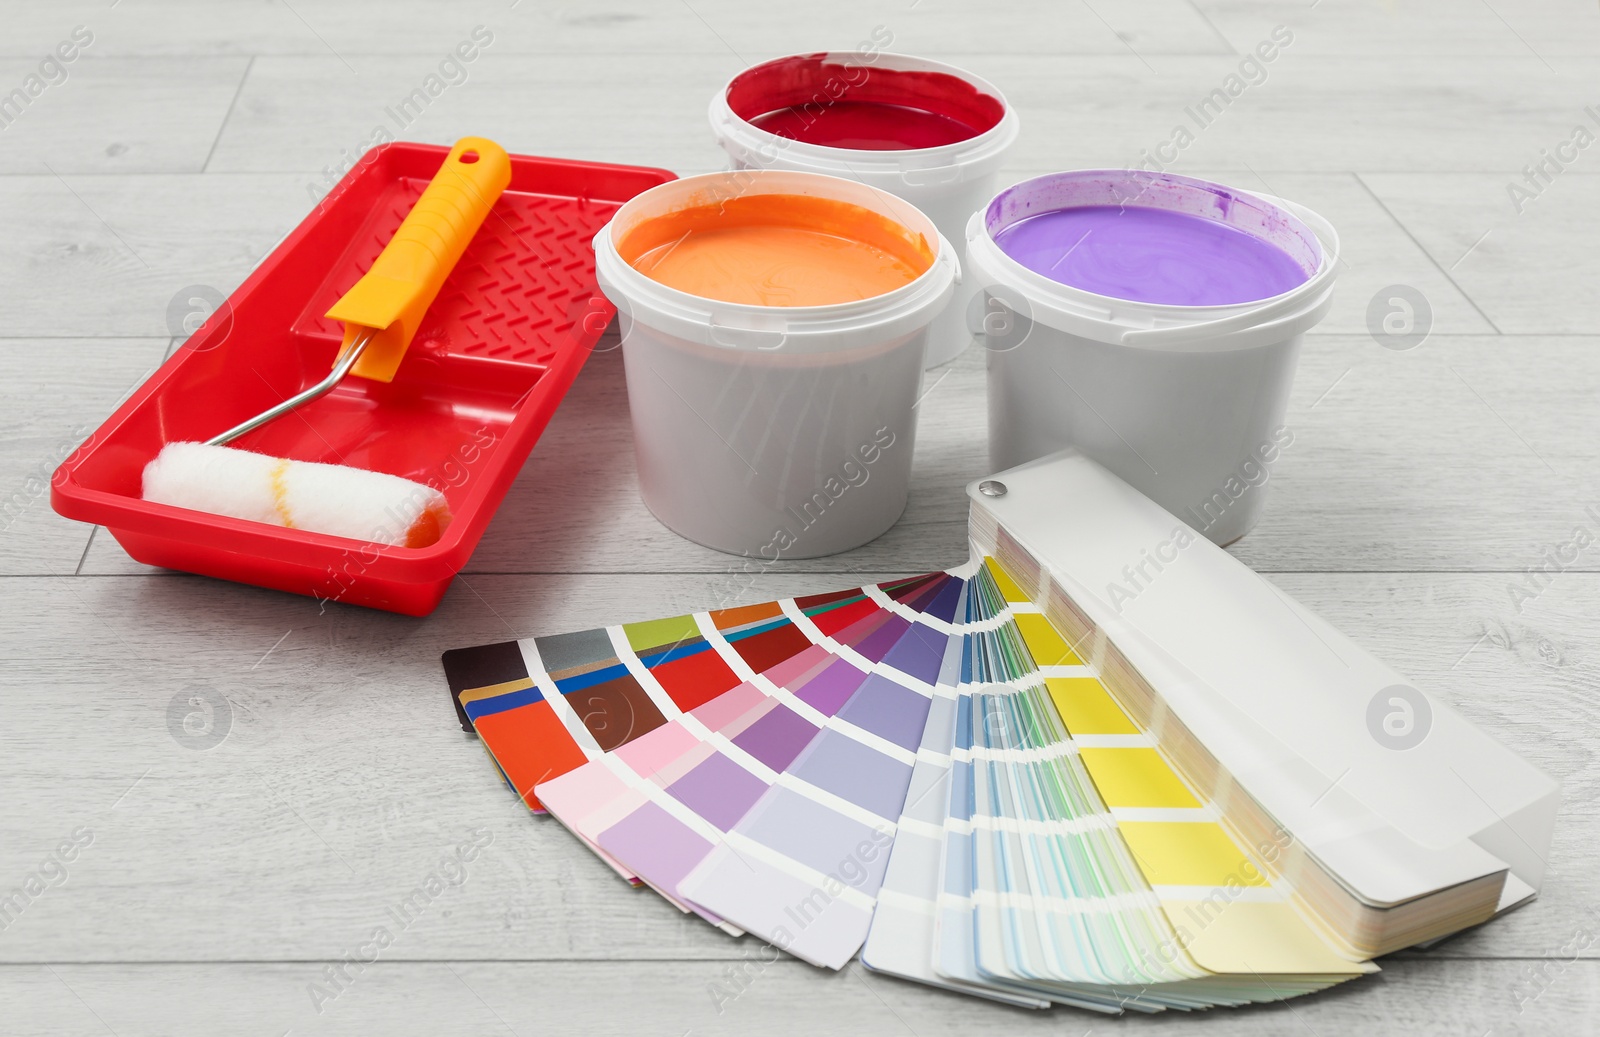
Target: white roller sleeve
322,498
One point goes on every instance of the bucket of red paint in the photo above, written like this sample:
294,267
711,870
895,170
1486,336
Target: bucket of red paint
928,132
774,325
1153,322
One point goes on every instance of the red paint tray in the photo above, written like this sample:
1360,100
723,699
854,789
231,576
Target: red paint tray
490,363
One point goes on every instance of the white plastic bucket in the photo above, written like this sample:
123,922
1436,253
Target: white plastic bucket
772,431
948,183
1184,402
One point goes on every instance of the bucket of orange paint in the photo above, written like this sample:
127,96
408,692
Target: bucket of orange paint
774,331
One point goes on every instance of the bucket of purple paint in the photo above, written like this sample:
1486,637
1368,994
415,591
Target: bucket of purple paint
1153,322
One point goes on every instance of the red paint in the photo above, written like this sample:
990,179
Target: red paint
866,127
852,103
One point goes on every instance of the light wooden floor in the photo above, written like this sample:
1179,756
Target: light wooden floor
218,884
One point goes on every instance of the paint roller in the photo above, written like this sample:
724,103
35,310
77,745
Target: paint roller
380,314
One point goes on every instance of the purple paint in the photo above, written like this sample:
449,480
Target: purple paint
1150,255
831,688
841,765
719,790
777,738
889,711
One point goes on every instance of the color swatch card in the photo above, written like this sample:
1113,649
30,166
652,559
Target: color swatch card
802,868
974,779
766,788
1387,835
755,767
545,705
1071,926
1047,889
652,741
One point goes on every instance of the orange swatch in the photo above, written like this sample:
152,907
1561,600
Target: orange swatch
778,250
530,744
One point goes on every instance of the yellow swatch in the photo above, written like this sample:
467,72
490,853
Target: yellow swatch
1044,642
1087,708
489,691
1135,778
1185,853
1242,936
1226,930
1002,580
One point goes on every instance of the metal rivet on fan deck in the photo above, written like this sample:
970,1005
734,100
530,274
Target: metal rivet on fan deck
992,488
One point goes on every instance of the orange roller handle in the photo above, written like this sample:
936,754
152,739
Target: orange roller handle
391,298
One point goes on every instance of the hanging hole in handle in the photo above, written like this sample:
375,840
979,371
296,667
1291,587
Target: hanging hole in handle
738,336
468,157
932,177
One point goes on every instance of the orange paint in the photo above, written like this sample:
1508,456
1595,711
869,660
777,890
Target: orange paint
429,526
778,250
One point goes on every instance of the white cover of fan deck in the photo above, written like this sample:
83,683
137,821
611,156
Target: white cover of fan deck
1280,697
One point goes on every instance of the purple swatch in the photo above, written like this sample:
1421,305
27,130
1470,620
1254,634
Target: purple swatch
877,644
943,606
719,790
919,653
889,711
843,766
777,738
819,837
656,846
831,688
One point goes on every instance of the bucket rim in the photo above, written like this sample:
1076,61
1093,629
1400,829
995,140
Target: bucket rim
1155,325
972,155
815,329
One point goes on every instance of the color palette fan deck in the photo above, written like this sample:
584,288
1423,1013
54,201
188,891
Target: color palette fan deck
947,774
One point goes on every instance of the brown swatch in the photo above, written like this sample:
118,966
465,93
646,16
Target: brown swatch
615,711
